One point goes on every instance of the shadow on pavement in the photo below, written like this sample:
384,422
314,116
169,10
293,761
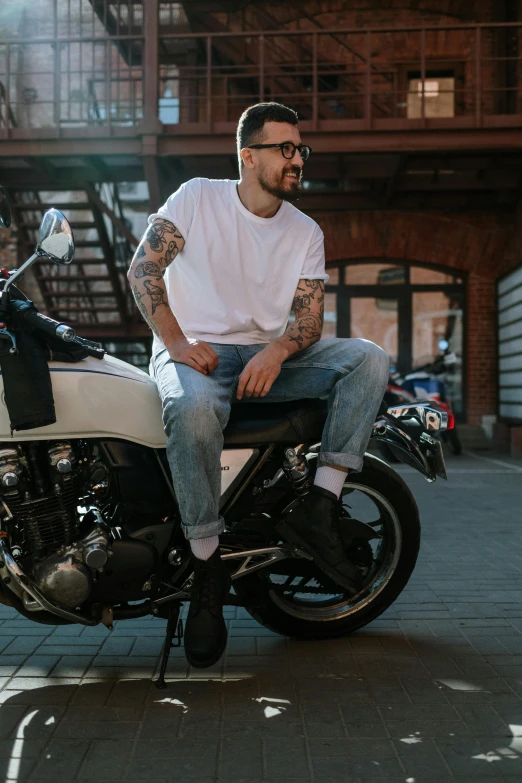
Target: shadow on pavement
374,706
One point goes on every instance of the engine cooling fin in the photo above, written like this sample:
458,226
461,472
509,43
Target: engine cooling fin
48,521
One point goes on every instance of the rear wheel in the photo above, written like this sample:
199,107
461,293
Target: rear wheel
299,600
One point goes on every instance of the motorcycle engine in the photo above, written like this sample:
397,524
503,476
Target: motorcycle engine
40,484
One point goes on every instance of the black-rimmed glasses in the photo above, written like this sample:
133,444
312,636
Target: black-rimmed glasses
287,149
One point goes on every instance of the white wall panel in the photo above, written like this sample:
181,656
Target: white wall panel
509,333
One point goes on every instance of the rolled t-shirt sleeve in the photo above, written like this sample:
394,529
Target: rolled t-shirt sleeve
180,207
314,263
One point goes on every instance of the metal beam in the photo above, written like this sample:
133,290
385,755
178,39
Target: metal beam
150,75
339,136
330,141
150,165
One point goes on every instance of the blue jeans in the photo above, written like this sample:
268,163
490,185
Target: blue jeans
351,373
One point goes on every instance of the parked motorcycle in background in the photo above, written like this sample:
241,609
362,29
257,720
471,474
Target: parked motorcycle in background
428,382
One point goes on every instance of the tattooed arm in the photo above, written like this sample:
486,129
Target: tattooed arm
261,371
308,308
159,247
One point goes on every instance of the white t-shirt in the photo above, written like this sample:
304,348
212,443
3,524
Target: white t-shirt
235,279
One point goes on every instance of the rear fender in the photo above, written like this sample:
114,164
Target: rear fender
405,430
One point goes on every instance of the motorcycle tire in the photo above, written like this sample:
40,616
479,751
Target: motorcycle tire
452,441
380,478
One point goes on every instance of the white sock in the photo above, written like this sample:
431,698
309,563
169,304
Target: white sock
330,479
203,548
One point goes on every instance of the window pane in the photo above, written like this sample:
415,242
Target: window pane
437,317
333,271
420,275
330,315
374,274
439,97
373,322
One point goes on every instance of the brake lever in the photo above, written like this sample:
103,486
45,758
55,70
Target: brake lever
5,334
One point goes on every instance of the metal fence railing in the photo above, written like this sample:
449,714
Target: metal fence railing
113,75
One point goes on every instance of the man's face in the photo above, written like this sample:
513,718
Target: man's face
277,175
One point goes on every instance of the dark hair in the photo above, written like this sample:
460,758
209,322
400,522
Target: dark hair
251,122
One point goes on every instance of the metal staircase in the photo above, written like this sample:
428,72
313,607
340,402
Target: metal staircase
91,294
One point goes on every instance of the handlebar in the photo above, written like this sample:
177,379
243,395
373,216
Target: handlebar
26,316
36,320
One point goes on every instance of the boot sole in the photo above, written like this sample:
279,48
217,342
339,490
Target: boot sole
197,663
290,535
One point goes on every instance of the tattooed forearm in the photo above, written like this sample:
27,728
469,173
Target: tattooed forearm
308,307
138,298
158,248
305,330
157,294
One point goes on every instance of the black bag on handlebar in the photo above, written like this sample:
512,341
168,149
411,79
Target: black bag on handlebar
27,380
28,391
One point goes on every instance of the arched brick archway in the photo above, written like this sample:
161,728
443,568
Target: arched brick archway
475,245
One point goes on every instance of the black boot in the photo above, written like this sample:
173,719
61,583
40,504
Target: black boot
313,524
205,629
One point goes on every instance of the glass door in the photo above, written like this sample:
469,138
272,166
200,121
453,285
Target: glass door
437,327
377,319
411,312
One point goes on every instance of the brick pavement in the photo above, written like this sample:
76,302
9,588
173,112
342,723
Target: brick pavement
431,692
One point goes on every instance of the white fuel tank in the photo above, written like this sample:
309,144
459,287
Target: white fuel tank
97,398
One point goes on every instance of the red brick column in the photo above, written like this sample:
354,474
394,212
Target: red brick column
481,352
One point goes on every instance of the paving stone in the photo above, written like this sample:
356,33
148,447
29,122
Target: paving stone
115,645
61,760
241,757
418,754
106,761
24,644
193,769
286,757
161,722
5,641
38,666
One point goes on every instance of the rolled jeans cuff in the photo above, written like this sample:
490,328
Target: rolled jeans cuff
204,531
341,460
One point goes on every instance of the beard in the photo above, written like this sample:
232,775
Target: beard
280,187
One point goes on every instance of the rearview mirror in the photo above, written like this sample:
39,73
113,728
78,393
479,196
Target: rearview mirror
55,239
5,211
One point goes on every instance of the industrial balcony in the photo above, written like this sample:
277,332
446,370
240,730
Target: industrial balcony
354,89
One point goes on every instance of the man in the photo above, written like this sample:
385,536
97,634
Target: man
216,275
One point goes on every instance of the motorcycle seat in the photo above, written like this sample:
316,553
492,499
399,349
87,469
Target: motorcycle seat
287,423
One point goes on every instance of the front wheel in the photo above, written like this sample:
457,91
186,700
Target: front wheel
298,600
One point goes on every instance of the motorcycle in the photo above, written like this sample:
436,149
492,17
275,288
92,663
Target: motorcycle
428,382
90,530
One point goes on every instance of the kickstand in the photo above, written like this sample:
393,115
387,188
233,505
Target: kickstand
173,637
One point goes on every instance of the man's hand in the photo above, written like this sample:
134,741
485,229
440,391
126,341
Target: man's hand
196,353
261,371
